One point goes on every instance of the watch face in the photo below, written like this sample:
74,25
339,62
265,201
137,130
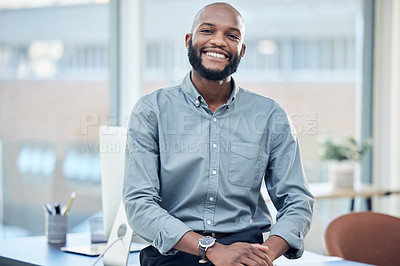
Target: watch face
207,241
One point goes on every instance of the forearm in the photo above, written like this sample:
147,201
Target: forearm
287,186
189,242
152,222
277,246
220,254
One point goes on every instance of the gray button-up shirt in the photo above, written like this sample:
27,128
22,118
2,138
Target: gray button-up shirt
188,168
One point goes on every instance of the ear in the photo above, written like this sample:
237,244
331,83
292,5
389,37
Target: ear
188,37
243,50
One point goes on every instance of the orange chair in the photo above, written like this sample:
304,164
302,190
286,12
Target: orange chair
367,237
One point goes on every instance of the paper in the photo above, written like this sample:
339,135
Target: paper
308,258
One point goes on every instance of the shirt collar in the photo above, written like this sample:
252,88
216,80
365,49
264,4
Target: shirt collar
190,90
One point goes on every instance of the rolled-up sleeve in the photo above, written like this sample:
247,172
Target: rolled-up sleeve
287,186
142,186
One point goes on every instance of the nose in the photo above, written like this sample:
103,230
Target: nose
218,40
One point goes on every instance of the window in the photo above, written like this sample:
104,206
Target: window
54,79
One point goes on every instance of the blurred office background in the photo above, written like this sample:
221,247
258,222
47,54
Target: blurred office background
69,66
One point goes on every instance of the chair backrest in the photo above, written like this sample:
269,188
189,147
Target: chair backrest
367,237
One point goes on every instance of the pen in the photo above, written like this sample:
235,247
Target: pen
57,208
71,200
49,208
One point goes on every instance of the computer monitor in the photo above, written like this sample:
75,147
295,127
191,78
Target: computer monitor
112,156
116,229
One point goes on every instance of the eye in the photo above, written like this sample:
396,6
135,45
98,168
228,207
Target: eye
206,31
233,37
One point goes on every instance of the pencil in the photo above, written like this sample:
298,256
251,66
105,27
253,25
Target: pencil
71,200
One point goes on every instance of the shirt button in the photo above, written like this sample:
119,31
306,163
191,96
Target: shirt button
197,102
215,119
215,145
208,222
211,198
214,172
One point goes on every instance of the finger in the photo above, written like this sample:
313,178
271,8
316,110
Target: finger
268,261
249,261
261,258
258,256
261,247
261,254
255,260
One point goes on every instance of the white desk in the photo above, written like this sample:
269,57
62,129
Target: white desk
313,259
325,190
36,251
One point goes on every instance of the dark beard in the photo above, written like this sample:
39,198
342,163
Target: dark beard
210,74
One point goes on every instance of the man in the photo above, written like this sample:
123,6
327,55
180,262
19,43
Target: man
196,157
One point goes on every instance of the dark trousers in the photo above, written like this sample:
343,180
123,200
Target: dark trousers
151,257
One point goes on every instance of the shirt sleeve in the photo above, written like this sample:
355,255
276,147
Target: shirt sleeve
142,186
287,186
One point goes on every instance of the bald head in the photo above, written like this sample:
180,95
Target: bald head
217,9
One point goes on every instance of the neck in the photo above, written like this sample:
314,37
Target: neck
215,93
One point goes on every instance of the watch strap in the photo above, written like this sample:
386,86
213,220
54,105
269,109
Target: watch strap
202,254
203,249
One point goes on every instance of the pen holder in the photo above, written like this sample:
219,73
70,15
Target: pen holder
97,230
56,228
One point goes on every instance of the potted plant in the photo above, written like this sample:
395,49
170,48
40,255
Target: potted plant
343,158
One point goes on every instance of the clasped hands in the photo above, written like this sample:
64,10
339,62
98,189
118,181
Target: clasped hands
239,253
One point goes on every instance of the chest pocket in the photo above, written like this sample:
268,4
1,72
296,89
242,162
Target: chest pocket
244,165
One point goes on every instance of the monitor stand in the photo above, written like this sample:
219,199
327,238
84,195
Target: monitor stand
119,241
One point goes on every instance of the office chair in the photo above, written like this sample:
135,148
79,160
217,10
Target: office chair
367,237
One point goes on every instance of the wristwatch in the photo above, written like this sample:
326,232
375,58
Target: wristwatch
204,244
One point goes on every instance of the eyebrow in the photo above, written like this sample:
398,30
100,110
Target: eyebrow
213,25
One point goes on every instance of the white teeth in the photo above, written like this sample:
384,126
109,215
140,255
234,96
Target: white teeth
212,54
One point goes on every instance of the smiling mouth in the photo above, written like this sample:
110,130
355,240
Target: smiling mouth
215,55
